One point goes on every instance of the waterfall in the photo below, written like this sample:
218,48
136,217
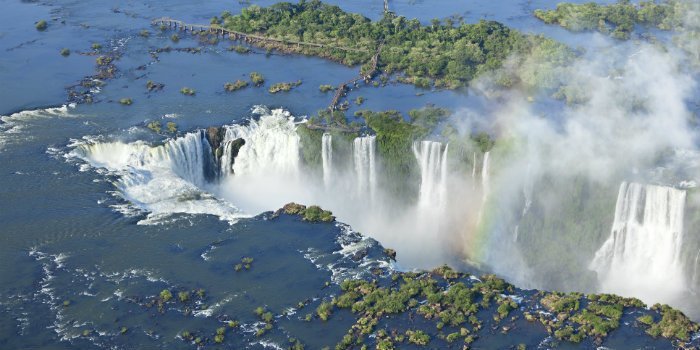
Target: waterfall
327,158
694,283
485,177
190,157
643,252
164,179
363,149
271,147
485,190
432,160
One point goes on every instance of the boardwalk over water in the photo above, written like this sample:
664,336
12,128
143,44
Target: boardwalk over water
258,39
234,35
343,87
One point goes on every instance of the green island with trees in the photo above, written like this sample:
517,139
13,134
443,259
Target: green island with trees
618,19
444,54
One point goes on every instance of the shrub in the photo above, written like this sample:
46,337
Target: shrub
126,101
237,85
257,78
172,127
187,91
275,88
145,33
418,337
326,88
324,310
183,296
175,38
239,49
96,46
155,126
165,295
41,25
314,213
65,52
103,60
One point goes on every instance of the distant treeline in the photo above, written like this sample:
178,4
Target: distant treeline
443,54
618,19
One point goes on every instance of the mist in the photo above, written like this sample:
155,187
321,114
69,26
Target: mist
565,218
592,192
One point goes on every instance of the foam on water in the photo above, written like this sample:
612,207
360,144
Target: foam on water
163,180
14,124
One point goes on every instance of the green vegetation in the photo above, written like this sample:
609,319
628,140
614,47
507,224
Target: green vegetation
155,126
257,78
104,60
175,38
673,324
324,310
245,262
326,88
449,305
418,337
126,101
145,33
441,54
187,91
359,100
395,137
239,49
219,336
184,296
96,46
41,25
65,52
646,319
313,213
617,20
601,315
275,88
153,86
165,295
237,85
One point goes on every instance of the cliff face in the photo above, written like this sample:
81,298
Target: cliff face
216,136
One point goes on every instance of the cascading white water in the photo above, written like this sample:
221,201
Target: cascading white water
432,160
163,179
271,146
327,158
485,181
695,281
364,159
189,156
642,256
474,167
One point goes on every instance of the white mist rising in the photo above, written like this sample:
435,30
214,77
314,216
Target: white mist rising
539,208
563,166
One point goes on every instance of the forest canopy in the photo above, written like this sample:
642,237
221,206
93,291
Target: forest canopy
446,53
618,19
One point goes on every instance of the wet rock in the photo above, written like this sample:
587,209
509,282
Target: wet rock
390,253
215,137
359,255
